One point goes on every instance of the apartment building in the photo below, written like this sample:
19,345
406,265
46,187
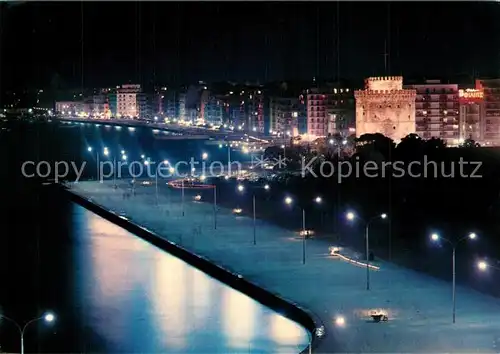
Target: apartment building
330,110
437,111
489,92
471,115
288,116
127,105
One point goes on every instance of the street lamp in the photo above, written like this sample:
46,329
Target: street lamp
204,156
352,216
241,188
284,151
289,201
482,265
47,317
435,237
266,187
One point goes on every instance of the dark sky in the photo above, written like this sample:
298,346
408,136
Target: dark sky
185,42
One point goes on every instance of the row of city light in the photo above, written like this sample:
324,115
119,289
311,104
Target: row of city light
351,216
147,160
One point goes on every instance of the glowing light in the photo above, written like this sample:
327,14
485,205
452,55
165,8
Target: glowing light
350,216
288,200
340,321
434,237
471,93
49,317
482,265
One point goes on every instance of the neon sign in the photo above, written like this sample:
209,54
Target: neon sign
471,94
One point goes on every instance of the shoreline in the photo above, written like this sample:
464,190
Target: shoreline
283,307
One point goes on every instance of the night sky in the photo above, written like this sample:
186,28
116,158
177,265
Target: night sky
44,44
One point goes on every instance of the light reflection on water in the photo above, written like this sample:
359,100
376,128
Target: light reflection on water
138,298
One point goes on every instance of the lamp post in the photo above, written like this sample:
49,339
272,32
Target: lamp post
105,152
182,196
289,201
435,237
48,317
241,189
215,207
351,216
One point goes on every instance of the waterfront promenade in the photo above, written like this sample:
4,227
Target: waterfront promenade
330,289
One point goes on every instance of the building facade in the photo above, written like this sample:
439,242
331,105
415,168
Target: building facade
490,92
212,111
254,110
330,110
127,104
288,116
317,113
385,107
437,113
471,115
68,108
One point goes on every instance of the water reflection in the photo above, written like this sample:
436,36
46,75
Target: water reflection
138,298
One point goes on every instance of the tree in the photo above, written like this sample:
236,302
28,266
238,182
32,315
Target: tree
435,143
369,143
410,147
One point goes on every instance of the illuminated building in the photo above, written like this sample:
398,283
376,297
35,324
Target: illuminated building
96,106
437,111
471,119
254,101
385,107
212,110
288,116
127,105
330,110
491,110
68,108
